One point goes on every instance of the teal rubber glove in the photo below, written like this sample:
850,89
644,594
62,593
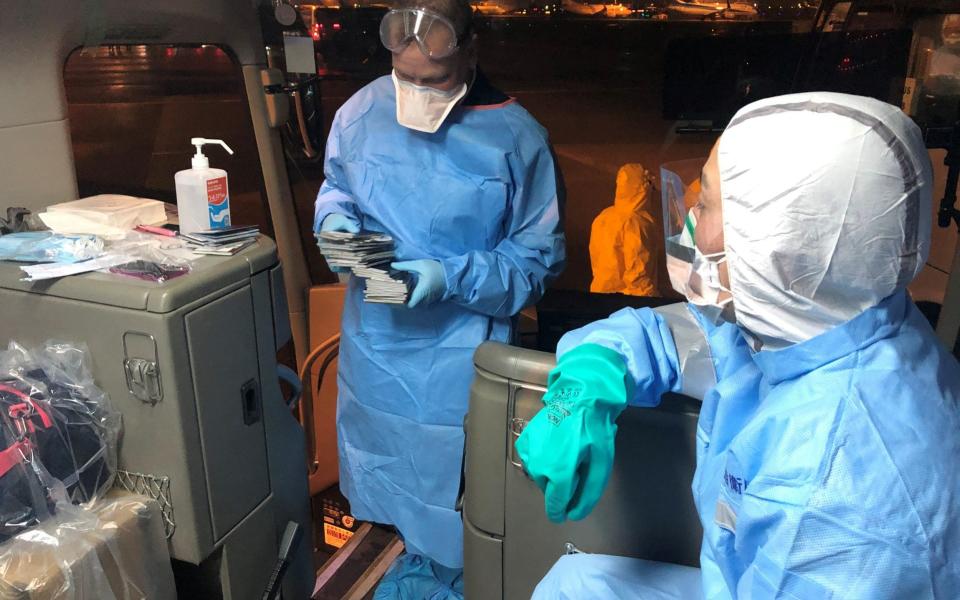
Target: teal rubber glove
567,448
431,283
342,223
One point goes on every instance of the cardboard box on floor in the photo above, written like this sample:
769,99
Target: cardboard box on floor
116,551
326,308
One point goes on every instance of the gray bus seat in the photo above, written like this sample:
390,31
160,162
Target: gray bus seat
646,512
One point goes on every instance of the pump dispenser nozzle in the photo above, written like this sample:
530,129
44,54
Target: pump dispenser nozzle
200,160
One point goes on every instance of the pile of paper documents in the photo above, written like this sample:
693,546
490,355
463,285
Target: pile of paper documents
369,256
221,242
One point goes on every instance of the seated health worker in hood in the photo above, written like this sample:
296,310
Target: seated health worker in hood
464,180
828,450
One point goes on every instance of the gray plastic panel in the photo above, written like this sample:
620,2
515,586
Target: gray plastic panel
244,573
210,274
485,460
223,356
286,445
647,510
490,408
281,311
511,362
481,549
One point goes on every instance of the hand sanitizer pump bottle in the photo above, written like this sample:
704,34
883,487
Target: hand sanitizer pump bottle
203,197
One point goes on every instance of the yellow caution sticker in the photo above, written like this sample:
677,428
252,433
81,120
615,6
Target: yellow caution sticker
335,536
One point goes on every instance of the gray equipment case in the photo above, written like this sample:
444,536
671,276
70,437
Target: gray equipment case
191,365
647,510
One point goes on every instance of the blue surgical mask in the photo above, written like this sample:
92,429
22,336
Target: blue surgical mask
45,246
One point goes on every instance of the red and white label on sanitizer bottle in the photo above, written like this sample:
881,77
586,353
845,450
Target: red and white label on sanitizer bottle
218,202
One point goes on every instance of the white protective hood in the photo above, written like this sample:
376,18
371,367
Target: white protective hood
826,209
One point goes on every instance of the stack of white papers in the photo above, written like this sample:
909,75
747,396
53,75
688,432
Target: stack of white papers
349,250
385,286
368,256
107,214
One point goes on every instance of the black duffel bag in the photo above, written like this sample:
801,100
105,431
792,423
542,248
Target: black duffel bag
53,446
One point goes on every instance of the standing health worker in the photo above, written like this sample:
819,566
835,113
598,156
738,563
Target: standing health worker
465,181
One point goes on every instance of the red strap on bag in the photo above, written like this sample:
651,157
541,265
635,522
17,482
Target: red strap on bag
13,455
27,403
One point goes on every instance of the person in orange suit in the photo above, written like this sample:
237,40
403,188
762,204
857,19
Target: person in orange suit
626,239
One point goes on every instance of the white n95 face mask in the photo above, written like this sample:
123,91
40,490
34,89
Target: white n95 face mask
706,277
697,276
705,290
424,108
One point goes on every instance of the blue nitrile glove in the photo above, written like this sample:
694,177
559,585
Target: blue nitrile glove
567,448
431,283
338,222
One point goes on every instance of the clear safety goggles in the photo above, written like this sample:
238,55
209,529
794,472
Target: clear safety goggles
434,34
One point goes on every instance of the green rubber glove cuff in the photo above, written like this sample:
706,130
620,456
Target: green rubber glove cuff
589,377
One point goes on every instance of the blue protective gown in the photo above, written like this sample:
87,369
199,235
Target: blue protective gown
482,197
830,468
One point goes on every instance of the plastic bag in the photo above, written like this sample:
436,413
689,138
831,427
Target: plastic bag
150,257
116,550
133,254
150,271
58,434
145,246
45,246
20,219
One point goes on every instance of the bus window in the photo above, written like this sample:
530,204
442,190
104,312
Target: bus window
834,20
133,110
935,71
